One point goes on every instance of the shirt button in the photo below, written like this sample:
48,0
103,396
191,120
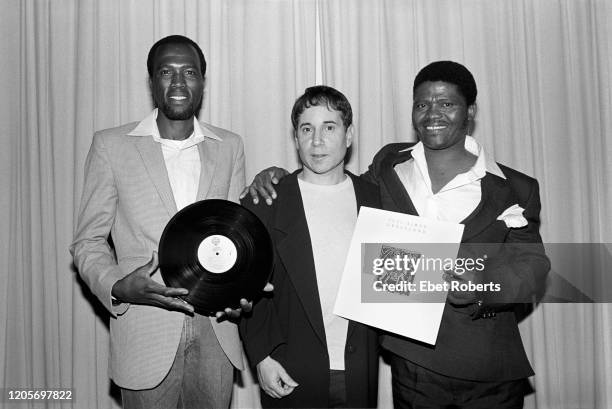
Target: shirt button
350,349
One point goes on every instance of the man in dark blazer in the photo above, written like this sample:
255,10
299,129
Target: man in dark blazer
478,360
306,356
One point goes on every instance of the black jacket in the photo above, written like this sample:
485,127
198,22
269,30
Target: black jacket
467,348
288,325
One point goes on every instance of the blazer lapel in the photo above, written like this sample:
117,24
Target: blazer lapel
295,252
153,158
394,185
496,197
208,152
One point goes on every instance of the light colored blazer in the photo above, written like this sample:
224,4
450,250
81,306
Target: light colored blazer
127,193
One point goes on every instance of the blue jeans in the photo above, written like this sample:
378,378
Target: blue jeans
201,375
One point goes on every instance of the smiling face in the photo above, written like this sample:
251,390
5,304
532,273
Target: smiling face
440,115
322,140
177,83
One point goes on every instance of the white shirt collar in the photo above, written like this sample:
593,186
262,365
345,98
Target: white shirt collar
148,127
484,162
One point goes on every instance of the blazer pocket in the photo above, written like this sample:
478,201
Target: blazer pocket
129,264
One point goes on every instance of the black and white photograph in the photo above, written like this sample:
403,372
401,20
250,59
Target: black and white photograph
199,198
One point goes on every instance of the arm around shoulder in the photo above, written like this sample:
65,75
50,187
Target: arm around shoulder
381,158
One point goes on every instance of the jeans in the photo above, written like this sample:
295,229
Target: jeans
201,375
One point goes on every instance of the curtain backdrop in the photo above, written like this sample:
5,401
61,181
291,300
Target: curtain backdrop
70,67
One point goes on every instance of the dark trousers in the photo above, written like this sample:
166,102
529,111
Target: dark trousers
415,387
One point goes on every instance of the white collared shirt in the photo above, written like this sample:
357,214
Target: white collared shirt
459,197
182,158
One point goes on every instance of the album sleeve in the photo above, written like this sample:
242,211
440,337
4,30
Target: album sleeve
93,256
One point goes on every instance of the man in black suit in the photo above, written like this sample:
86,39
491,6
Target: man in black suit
305,355
478,360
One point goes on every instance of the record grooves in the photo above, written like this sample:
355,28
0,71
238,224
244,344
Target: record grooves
219,251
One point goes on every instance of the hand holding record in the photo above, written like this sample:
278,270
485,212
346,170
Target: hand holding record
245,305
220,252
139,288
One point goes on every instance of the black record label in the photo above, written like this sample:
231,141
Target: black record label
219,251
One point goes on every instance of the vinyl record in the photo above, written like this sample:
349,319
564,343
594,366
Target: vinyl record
219,251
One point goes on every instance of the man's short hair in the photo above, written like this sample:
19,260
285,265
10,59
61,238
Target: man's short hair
175,39
451,72
322,95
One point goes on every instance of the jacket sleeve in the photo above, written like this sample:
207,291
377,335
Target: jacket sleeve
260,330
523,266
238,179
92,253
385,157
371,175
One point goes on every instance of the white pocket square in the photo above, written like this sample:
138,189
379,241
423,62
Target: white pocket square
513,217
